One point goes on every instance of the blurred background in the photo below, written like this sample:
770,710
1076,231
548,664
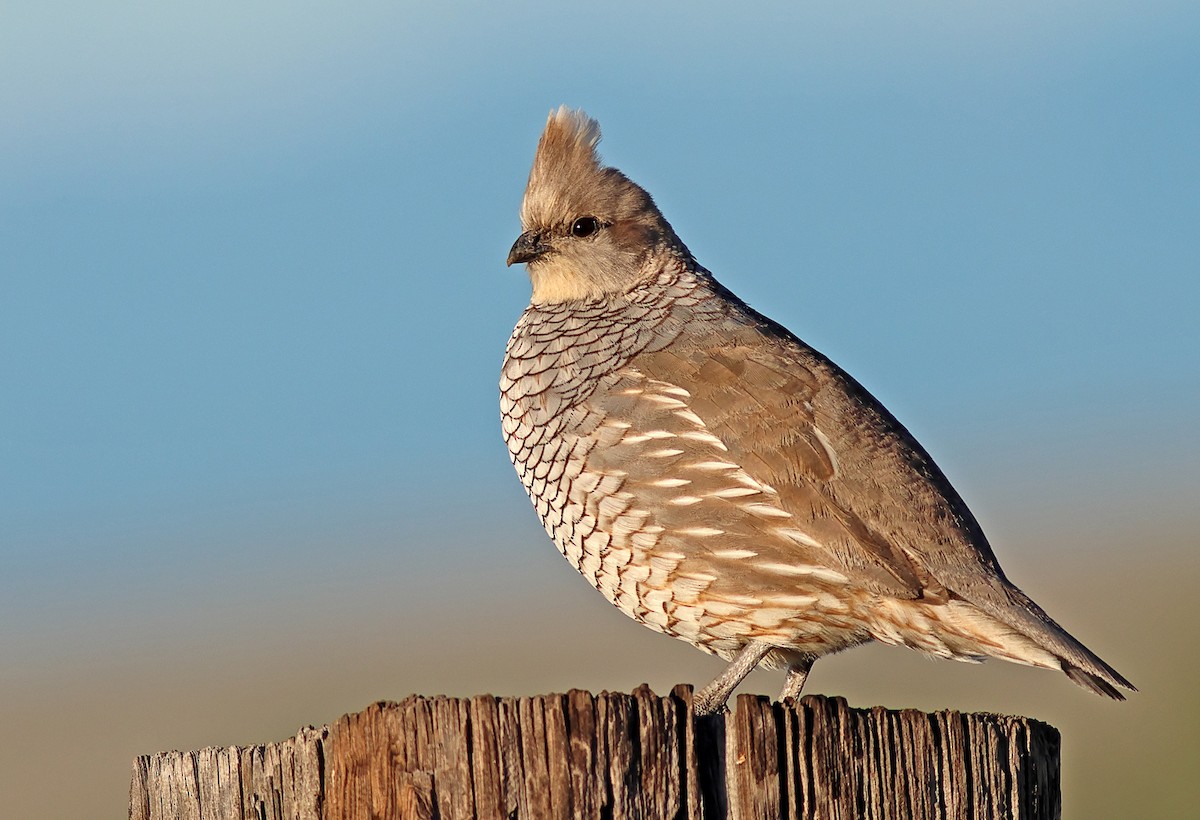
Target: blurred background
253,305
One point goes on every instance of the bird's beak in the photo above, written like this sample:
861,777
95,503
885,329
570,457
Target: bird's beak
528,247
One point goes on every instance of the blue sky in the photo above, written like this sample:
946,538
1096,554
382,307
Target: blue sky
253,299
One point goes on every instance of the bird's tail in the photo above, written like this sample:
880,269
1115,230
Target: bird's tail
1093,682
1024,633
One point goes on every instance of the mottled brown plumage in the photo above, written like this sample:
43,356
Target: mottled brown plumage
716,478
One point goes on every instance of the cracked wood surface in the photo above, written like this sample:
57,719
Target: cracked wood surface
619,756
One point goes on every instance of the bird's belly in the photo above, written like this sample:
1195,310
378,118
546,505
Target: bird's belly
682,597
673,588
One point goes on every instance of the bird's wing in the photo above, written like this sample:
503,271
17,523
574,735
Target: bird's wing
854,480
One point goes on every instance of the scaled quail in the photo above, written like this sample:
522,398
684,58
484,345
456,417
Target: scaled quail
716,478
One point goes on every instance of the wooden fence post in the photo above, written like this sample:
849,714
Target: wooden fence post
619,756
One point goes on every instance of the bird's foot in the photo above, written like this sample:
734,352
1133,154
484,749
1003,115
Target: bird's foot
797,674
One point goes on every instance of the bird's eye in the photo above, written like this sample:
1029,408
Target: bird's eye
585,226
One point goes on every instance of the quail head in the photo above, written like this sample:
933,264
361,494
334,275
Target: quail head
716,478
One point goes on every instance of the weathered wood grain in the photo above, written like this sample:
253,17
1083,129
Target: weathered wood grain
619,756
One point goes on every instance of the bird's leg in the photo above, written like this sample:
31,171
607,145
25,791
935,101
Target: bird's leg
797,674
712,697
